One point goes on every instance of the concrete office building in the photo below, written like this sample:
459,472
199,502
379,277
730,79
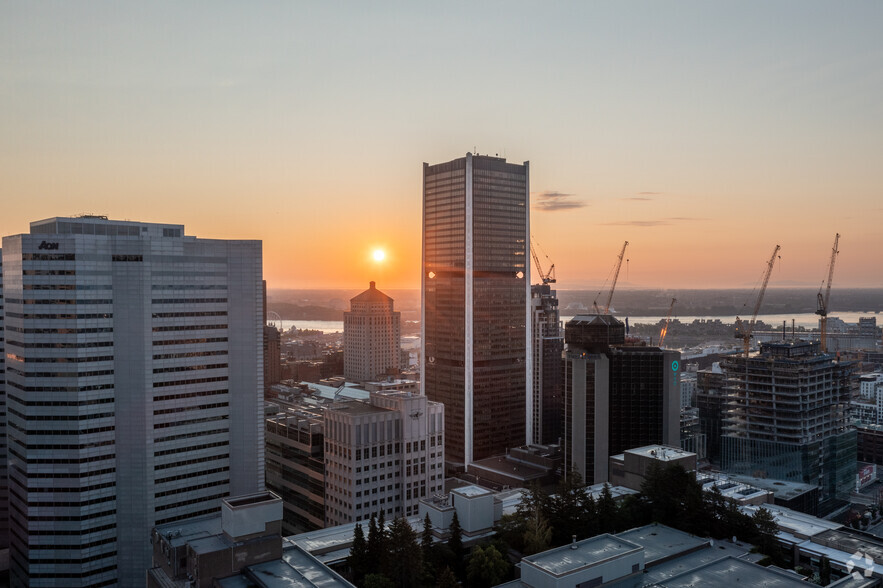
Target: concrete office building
616,397
372,337
476,304
4,470
383,455
787,418
547,394
134,385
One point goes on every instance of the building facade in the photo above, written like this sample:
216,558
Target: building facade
475,323
787,417
134,386
372,337
382,456
617,396
548,368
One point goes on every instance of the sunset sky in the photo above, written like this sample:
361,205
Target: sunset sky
704,133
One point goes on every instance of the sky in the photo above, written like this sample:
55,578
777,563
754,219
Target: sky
704,133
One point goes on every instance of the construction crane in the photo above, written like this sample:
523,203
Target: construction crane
667,320
613,284
547,277
743,331
823,300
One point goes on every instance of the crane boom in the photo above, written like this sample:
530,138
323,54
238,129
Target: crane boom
745,332
547,277
615,277
667,320
823,300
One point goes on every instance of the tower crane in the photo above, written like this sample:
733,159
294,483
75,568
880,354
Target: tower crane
822,310
613,284
547,277
667,320
743,331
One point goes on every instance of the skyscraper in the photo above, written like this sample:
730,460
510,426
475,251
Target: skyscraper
476,303
617,396
548,346
787,418
372,336
134,387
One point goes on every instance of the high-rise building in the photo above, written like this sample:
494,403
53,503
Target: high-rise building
475,323
617,396
372,336
787,418
383,455
548,347
710,402
4,470
134,388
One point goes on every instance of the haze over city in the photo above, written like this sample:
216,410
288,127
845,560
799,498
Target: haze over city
702,133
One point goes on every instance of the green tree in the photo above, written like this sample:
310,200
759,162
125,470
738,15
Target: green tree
537,535
607,511
566,509
447,579
455,542
358,558
404,558
378,581
511,528
375,546
486,567
766,541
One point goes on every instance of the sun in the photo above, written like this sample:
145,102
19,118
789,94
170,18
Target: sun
379,255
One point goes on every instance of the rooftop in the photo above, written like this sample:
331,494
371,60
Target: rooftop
661,452
585,553
729,571
472,491
661,542
372,294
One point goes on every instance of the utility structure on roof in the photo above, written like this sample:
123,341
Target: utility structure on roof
822,310
744,331
613,284
667,320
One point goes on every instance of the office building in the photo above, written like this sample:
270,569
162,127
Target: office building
617,396
710,401
372,337
4,470
382,456
134,385
475,323
296,465
548,347
787,418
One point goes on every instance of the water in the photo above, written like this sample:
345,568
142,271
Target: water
807,320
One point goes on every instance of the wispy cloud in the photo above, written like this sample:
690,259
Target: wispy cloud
551,201
642,196
650,193
639,198
653,223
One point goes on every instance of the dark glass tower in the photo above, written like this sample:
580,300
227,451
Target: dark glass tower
476,303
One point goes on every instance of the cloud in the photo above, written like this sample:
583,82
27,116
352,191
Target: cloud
640,198
650,193
653,223
550,201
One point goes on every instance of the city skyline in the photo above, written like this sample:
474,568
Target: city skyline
703,134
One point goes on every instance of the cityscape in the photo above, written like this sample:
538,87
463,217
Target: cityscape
272,313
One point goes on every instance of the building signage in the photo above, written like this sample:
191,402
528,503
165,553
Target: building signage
48,246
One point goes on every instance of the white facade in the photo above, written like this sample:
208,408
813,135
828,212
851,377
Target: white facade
382,456
134,381
688,388
869,408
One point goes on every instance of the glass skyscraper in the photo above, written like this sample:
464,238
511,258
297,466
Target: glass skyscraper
476,303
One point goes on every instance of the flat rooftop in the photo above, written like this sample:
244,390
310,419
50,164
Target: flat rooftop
585,553
471,491
729,572
513,469
661,543
616,492
792,521
357,408
782,489
179,533
661,452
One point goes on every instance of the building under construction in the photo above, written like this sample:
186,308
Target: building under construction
786,417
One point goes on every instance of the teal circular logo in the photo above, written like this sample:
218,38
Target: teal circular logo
675,365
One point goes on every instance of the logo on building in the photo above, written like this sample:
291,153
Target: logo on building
48,245
860,565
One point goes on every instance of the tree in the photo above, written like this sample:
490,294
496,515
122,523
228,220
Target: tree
378,581
375,546
566,509
404,558
358,558
537,535
606,507
455,542
767,530
486,567
447,579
